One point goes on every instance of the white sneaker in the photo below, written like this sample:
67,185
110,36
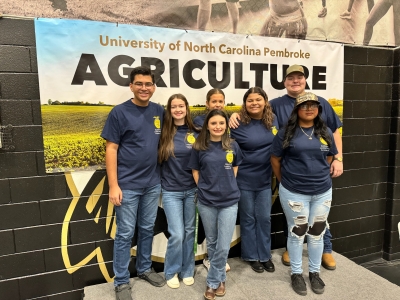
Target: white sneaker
206,264
227,267
188,280
345,15
173,283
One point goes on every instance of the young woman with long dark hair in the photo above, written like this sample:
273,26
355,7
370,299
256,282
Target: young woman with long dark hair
214,163
301,155
178,190
255,135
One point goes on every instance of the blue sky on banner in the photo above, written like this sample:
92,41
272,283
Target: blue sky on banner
61,43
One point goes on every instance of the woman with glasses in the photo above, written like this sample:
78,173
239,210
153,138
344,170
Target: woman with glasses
300,156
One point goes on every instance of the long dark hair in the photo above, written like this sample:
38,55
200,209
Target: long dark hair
267,117
166,144
203,140
320,128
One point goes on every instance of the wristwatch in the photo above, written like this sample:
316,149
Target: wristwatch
338,158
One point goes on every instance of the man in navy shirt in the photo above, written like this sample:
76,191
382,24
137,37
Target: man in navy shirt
295,84
132,132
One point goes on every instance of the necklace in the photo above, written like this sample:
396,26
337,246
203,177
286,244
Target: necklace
309,136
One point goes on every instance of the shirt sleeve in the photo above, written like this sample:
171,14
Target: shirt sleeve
277,148
332,150
333,121
194,160
197,121
111,130
238,155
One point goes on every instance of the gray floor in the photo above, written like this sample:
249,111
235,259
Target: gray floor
348,281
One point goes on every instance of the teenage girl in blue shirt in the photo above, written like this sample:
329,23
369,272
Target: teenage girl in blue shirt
178,190
214,162
301,155
255,135
215,99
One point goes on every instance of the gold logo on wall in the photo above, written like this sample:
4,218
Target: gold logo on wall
102,212
90,205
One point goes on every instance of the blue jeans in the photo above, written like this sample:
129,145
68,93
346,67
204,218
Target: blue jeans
255,224
219,224
180,210
137,205
305,215
327,240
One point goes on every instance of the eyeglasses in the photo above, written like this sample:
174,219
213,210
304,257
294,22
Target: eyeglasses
145,84
308,106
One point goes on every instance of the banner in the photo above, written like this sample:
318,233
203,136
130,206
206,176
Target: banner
84,66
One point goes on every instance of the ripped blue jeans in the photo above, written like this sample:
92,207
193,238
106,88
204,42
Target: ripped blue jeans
305,215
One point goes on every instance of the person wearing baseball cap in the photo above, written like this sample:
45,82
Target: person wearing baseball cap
301,155
282,107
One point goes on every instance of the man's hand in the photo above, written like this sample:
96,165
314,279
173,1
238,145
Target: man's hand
115,195
336,168
233,121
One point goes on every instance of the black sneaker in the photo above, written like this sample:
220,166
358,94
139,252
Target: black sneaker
123,292
317,285
268,266
257,266
153,278
298,284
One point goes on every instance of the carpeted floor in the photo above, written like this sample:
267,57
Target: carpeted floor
348,281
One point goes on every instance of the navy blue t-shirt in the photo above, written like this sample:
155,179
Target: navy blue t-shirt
283,107
304,168
175,174
136,130
217,186
255,140
199,120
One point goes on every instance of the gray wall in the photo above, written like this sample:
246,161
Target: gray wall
366,198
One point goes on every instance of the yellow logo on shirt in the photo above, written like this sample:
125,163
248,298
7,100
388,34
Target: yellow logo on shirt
323,142
157,122
190,138
274,130
229,156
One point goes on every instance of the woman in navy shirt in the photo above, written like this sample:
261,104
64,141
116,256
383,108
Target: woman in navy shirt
178,190
214,162
301,155
255,135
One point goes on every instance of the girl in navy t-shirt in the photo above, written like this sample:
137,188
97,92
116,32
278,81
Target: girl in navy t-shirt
214,163
301,155
178,190
215,99
255,135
